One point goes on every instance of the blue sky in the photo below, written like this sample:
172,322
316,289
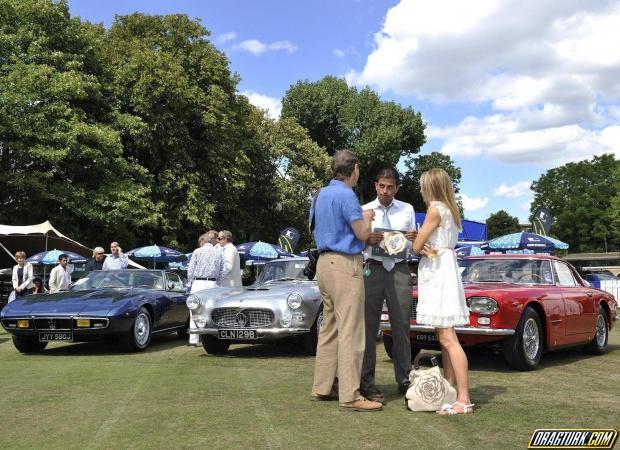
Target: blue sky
509,88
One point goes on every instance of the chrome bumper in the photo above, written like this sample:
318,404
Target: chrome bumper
262,332
459,330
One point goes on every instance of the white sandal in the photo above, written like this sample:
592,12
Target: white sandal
448,409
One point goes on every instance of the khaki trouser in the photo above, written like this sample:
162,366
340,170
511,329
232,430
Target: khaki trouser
340,349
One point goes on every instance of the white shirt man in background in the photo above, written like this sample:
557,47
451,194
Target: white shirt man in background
232,263
59,277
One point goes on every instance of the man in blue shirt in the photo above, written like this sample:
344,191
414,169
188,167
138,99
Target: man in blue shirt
340,232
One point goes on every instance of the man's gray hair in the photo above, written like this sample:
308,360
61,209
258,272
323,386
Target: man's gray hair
227,234
203,237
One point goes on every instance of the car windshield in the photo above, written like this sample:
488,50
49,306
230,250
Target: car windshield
516,271
282,270
120,279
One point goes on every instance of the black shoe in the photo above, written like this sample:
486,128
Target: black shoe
402,388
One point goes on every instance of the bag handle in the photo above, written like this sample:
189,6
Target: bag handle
431,356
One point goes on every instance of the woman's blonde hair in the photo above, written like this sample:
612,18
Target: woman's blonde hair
20,254
436,185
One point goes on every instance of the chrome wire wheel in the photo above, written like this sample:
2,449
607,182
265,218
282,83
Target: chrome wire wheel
531,339
601,331
319,321
142,329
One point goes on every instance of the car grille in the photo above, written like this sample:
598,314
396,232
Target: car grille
242,317
53,323
414,309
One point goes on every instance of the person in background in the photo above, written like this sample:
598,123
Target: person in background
214,238
96,263
23,274
39,287
205,271
59,276
340,229
117,260
232,263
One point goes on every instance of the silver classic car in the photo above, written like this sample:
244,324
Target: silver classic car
282,303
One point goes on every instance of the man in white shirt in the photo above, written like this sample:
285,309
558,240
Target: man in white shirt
388,279
206,267
117,260
205,271
59,277
232,263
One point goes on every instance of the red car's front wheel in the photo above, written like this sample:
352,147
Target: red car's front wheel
522,350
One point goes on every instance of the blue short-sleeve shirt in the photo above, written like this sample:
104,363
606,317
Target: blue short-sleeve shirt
336,208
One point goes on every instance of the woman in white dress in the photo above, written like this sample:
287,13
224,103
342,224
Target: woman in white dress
441,298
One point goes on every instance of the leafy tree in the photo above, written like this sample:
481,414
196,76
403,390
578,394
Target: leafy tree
501,223
61,157
185,122
416,166
288,169
338,116
584,199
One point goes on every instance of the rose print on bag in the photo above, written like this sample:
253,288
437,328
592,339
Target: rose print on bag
430,388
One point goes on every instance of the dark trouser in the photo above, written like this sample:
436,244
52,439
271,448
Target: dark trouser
394,287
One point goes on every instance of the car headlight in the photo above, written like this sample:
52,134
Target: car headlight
294,300
193,302
482,305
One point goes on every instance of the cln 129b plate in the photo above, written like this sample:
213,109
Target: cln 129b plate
237,334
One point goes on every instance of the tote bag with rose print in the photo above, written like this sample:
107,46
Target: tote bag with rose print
429,390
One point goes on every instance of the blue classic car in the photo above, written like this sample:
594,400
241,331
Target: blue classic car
129,305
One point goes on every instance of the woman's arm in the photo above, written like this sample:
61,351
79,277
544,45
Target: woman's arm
14,278
432,221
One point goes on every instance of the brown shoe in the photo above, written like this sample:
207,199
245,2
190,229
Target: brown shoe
333,394
361,405
371,392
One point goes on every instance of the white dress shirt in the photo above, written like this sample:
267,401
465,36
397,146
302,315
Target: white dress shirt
232,263
400,214
59,279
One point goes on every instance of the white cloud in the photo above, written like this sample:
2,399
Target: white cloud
272,105
520,189
226,37
549,70
527,206
257,47
471,204
339,53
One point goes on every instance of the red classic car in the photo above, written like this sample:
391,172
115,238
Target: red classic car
523,305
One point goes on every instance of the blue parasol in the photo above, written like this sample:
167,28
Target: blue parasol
51,257
525,241
261,251
157,253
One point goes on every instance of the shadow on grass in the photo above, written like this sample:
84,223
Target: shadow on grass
158,344
267,350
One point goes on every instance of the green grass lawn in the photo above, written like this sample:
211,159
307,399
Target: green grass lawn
174,396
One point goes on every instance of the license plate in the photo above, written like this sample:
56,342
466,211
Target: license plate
55,336
237,334
426,338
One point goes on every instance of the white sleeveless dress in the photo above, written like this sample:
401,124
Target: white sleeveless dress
441,298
